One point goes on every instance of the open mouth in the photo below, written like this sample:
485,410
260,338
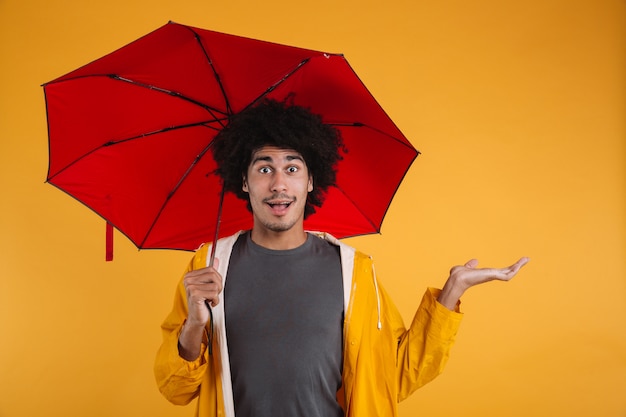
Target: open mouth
278,206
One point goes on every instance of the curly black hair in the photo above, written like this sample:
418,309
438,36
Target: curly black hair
285,126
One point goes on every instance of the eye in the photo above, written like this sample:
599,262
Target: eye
265,170
292,169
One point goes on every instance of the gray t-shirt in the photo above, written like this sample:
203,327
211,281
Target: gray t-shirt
284,325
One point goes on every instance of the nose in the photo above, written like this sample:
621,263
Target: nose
278,183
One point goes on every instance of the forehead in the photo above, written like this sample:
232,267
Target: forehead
275,154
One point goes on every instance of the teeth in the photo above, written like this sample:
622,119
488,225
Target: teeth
279,204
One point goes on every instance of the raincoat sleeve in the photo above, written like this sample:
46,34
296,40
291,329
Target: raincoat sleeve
424,349
178,379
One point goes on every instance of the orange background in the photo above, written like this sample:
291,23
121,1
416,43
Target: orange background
519,111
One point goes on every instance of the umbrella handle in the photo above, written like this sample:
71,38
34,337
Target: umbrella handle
210,331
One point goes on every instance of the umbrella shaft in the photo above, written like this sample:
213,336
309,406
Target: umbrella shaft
217,227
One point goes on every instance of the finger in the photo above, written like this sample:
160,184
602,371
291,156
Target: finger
198,274
509,272
520,263
214,301
203,276
201,271
210,297
472,263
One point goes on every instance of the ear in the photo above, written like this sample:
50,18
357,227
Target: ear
310,186
244,185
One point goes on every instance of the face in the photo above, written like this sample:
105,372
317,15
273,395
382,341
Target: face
277,183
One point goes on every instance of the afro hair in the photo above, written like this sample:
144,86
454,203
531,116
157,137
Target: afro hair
285,126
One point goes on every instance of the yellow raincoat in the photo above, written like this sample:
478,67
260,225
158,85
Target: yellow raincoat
383,362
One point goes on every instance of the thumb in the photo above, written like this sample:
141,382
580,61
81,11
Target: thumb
472,263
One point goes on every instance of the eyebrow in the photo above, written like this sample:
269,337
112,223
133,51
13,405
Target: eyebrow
267,158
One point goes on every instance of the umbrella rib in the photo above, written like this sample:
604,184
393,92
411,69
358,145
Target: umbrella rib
173,191
354,204
117,77
357,206
208,108
215,73
205,123
279,82
359,124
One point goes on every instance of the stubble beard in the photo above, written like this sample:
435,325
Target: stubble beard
280,225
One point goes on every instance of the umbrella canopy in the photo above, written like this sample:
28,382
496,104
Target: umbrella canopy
130,134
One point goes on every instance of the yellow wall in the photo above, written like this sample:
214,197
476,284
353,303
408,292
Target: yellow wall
518,108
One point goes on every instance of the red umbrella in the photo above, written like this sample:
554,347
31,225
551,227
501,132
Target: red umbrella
130,134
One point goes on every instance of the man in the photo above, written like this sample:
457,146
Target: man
302,326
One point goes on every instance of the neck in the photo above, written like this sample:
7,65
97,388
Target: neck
283,240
